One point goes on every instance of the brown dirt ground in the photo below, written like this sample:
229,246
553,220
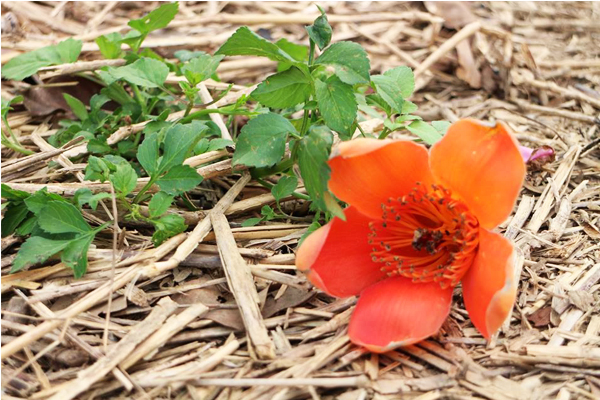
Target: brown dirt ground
535,66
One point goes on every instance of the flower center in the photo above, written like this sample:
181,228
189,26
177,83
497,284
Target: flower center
426,235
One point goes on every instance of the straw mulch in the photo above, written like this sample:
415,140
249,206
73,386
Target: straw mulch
175,328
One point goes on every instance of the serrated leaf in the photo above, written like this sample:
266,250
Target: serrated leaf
409,107
337,104
244,42
74,255
85,196
159,204
389,91
320,31
62,217
262,141
285,89
6,192
13,216
26,227
441,126
77,106
147,153
110,45
426,132
124,179
218,144
179,179
404,78
156,19
297,51
201,68
284,187
36,250
313,154
146,72
39,200
349,61
24,65
166,227
178,143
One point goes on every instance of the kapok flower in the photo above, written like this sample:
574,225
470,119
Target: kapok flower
417,225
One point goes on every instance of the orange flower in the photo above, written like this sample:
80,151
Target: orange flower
417,225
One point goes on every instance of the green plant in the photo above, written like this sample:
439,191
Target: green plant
293,116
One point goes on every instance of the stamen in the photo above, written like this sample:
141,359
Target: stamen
429,236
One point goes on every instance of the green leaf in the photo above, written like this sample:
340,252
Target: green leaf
441,126
166,227
201,68
179,179
404,78
146,72
179,142
36,250
186,55
62,217
6,192
262,141
77,106
285,89
124,179
297,51
159,204
74,255
157,19
389,91
24,65
268,213
409,107
426,132
313,153
284,187
85,196
13,216
218,144
26,226
244,42
349,61
337,104
251,222
110,45
147,153
320,31
39,200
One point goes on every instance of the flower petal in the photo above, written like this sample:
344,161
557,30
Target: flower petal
397,312
483,166
489,288
337,256
367,172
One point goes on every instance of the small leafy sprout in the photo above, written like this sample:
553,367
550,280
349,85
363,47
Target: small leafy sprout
13,142
55,225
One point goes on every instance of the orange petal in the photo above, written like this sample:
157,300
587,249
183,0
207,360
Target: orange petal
367,172
337,256
489,289
483,166
397,312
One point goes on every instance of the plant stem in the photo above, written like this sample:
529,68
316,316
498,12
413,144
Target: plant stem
207,111
138,197
139,98
384,133
311,54
14,146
